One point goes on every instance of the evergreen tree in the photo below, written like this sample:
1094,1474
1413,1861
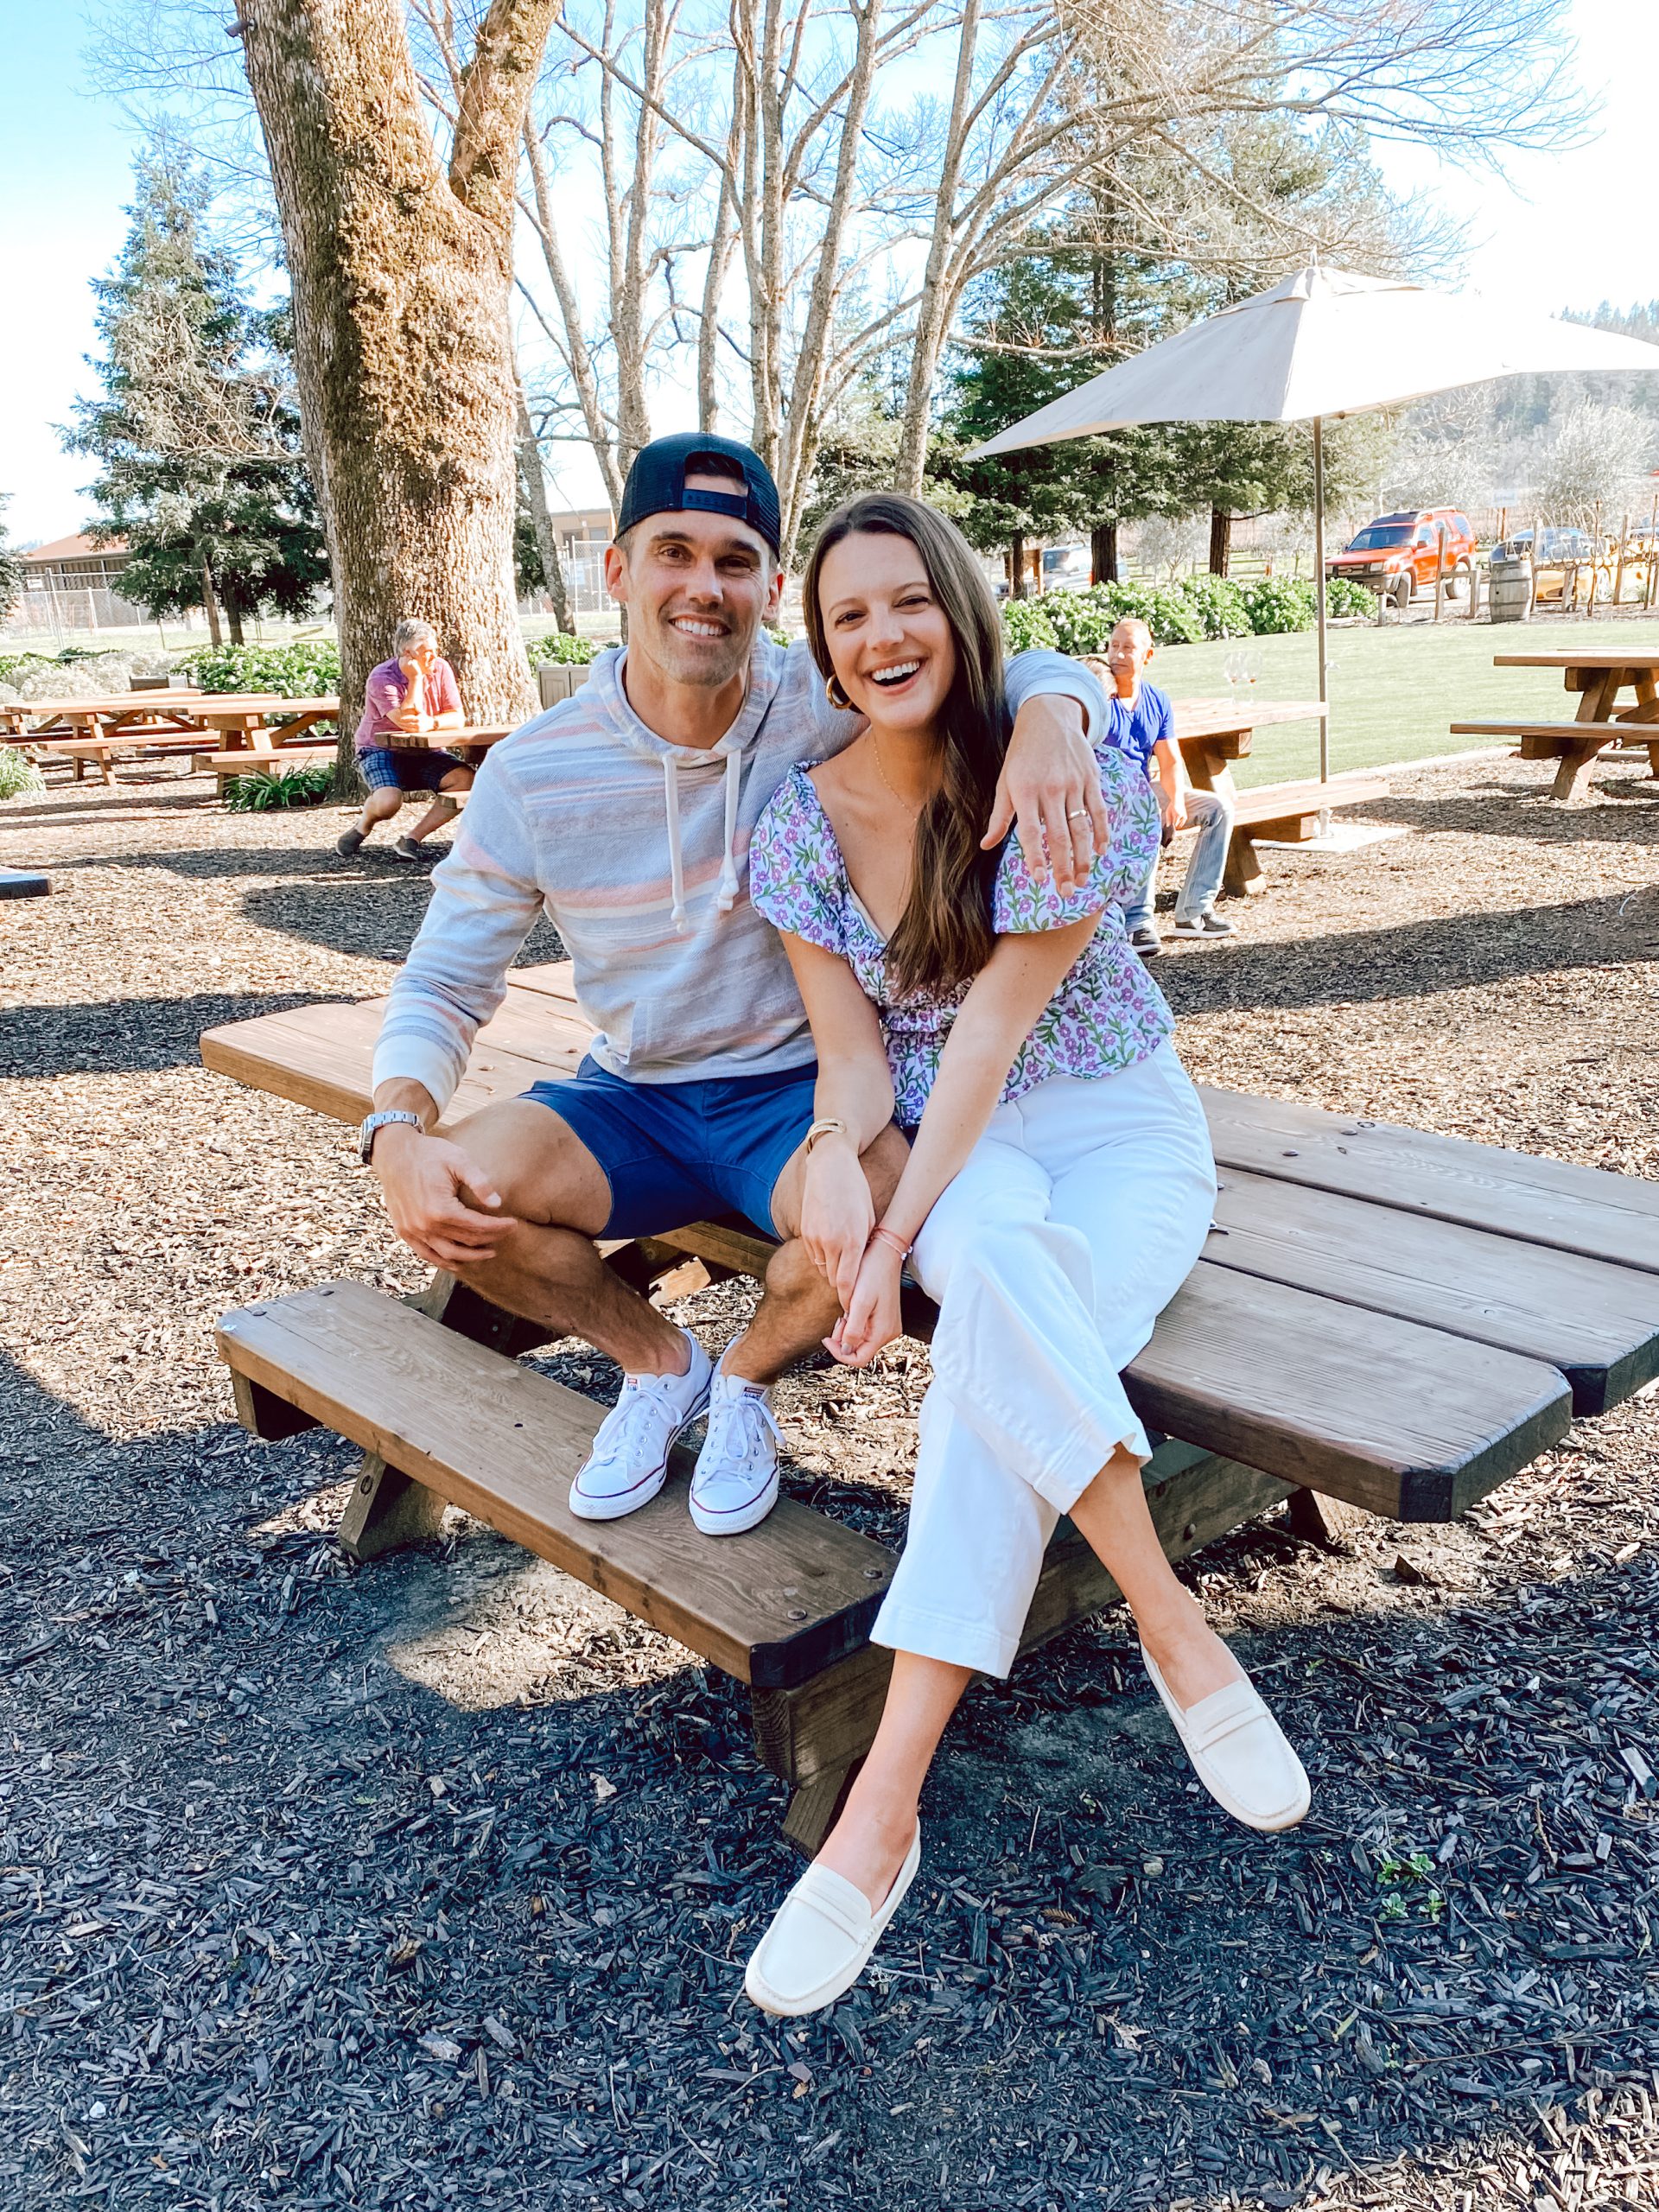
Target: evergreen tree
195,429
1035,330
11,564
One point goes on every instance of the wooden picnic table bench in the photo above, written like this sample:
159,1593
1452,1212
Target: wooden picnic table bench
474,741
1600,675
161,722
1384,1317
1214,733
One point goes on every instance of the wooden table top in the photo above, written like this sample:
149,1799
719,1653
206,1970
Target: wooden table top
1195,718
1399,1318
1637,656
184,705
118,702
476,734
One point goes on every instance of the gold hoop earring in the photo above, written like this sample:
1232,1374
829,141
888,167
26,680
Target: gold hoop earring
836,696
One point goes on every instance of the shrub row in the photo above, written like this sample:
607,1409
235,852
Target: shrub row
307,668
1183,614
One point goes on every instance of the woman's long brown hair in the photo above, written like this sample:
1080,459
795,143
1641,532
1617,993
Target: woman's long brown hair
944,937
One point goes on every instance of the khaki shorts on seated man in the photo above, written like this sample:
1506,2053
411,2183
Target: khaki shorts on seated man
624,814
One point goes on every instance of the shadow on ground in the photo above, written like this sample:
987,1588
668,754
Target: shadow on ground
129,1035
1453,953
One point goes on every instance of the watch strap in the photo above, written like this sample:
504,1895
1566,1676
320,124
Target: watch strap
372,1128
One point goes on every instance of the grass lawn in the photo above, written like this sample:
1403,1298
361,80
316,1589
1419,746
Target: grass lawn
1394,692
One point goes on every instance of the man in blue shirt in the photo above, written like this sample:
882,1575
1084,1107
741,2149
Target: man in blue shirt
1141,722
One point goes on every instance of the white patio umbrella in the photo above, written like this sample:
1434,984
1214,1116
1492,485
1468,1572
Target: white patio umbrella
1325,342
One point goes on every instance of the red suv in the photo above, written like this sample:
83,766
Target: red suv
1398,555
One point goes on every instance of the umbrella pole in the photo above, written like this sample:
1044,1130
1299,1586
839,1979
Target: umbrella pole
1318,607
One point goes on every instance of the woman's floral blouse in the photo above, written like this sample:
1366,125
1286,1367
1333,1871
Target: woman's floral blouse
1107,1014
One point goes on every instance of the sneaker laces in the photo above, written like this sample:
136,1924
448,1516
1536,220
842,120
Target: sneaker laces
749,1413
640,1394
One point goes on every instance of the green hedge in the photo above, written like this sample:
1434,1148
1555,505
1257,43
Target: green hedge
1183,614
1342,595
307,669
559,645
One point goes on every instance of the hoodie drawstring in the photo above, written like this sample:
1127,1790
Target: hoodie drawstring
675,864
727,896
727,893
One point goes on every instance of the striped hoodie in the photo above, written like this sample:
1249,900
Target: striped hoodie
637,851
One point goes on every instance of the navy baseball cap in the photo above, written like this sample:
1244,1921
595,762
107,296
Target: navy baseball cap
656,484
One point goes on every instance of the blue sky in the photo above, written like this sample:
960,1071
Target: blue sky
1569,232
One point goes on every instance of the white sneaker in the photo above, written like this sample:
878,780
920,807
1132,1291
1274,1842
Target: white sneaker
628,1463
735,1483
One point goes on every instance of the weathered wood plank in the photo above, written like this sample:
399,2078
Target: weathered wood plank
771,1606
1518,1195
1387,1413
1598,1322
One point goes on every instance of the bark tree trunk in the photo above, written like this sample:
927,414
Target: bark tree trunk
1103,552
1221,541
401,274
210,603
541,519
1017,565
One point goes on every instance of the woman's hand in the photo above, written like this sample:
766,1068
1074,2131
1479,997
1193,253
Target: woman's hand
837,1213
872,1317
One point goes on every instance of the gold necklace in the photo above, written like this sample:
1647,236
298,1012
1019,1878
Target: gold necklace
914,806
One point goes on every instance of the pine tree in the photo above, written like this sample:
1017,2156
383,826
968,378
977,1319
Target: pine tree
1035,330
195,428
11,564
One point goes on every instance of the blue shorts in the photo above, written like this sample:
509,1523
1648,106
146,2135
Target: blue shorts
679,1152
407,767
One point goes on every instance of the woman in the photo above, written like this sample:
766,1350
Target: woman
1057,1192
406,697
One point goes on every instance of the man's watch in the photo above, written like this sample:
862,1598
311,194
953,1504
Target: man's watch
375,1123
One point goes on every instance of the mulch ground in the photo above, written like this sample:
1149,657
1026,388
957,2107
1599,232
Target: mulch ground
429,1884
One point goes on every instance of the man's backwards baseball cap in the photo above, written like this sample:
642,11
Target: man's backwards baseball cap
656,484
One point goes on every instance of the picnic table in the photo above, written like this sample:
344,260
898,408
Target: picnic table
1600,675
1382,1319
1214,733
471,741
161,722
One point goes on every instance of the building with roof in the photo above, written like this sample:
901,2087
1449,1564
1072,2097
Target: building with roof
73,584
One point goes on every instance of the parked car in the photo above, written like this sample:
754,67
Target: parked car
1065,568
1566,557
1399,554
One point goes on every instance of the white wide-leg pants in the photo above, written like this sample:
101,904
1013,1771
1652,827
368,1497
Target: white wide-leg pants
1073,1222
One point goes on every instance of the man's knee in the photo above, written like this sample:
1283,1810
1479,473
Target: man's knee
791,1275
883,1163
537,1166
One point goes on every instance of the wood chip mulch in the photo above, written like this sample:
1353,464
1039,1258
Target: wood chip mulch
428,1884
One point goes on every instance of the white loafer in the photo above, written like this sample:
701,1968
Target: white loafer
1240,1753
820,1940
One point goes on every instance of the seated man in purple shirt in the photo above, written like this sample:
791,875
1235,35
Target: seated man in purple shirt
408,695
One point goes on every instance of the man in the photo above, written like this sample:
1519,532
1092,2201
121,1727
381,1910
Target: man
411,695
625,813
1142,722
